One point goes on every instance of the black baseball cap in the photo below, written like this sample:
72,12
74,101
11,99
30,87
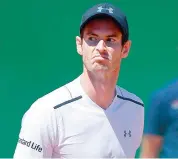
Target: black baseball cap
108,10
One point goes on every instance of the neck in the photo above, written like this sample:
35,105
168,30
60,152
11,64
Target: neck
100,89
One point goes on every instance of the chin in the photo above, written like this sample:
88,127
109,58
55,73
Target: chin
100,67
101,70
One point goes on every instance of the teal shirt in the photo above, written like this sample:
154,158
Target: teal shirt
162,119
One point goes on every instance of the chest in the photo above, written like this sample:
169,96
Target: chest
92,134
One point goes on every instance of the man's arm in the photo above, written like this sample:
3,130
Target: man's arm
151,145
37,134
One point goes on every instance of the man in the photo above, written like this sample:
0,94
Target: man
161,127
90,117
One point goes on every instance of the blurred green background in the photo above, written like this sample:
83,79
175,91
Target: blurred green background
38,54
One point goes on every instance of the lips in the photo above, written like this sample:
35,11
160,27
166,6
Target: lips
101,56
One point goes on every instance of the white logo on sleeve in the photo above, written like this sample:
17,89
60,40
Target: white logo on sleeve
109,9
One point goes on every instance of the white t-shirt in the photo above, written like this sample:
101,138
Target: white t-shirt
66,123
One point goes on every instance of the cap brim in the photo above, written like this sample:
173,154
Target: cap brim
91,17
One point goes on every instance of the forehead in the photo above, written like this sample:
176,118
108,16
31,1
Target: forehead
102,25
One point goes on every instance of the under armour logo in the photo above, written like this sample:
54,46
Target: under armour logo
127,133
101,8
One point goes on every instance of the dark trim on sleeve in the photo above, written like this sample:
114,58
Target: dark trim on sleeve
131,100
67,102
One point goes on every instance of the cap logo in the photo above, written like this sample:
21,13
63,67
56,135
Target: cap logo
108,9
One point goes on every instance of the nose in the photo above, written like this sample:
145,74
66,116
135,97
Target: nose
101,46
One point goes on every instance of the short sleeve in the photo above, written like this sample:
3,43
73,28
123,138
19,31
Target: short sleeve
37,136
156,116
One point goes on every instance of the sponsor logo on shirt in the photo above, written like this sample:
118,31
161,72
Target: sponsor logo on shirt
127,133
30,144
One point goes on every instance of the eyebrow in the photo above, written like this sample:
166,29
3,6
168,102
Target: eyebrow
89,33
109,36
112,35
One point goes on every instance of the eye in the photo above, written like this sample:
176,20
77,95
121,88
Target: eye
92,38
110,40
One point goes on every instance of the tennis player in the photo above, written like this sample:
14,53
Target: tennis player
90,117
161,127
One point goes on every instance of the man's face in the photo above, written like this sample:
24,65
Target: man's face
101,46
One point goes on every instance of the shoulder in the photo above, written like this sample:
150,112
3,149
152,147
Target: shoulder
53,98
129,96
133,106
165,94
42,109
45,104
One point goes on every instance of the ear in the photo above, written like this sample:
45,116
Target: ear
126,49
79,44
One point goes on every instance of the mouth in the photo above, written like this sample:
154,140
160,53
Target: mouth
102,57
